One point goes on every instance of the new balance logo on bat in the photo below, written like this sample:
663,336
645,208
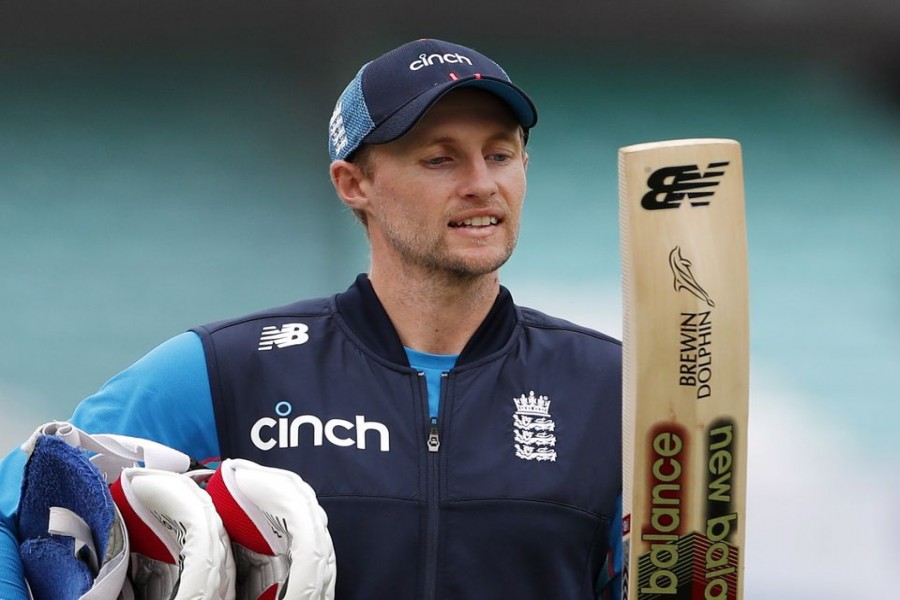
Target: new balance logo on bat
669,186
290,334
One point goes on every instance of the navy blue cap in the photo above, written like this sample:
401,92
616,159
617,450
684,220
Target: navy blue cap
390,94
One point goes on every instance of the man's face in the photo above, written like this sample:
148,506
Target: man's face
447,196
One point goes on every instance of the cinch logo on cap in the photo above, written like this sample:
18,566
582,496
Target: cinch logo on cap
391,93
426,60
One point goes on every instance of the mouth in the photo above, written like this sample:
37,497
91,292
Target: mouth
475,222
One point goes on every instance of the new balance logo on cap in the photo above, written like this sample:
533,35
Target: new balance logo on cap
290,334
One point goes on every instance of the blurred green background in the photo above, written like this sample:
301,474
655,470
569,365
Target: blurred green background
164,165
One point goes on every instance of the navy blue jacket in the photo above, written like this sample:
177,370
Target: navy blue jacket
510,493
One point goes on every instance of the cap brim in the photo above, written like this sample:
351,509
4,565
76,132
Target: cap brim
399,123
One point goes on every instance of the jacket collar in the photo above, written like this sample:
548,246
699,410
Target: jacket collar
363,313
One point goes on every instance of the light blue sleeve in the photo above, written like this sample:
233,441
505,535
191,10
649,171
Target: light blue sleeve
609,583
164,396
12,586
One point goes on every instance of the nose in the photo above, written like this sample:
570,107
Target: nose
477,181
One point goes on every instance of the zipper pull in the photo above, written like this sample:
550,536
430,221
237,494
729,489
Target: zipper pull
434,437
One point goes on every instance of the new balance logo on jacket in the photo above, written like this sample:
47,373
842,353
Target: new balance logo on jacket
289,334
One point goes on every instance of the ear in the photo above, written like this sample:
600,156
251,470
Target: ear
349,180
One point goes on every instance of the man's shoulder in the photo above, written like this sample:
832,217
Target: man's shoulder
306,308
540,320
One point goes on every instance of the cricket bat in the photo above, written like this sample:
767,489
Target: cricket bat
685,369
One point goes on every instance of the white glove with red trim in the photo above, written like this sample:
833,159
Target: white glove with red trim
179,548
253,533
278,530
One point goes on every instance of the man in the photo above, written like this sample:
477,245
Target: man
462,446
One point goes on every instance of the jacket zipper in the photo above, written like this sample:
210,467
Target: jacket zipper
433,445
434,436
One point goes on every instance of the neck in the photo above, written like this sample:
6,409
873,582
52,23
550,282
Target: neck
438,313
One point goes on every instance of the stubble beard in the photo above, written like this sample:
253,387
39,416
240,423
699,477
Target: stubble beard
420,251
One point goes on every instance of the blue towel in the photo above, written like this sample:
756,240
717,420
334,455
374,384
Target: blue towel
59,475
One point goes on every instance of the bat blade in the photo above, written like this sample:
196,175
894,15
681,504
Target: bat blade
685,369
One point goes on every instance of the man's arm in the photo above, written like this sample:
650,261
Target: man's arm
164,396
12,580
609,583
